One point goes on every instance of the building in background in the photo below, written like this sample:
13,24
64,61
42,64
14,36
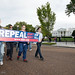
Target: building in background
62,32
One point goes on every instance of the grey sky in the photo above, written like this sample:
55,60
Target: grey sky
12,11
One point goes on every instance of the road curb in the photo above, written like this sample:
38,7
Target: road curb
64,46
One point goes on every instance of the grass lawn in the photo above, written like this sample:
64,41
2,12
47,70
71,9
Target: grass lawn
62,39
48,43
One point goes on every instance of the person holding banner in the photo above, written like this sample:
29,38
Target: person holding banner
38,51
1,51
23,47
9,47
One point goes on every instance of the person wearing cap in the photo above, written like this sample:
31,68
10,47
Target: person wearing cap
38,51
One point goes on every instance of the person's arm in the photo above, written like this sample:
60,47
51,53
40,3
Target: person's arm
28,43
40,40
41,37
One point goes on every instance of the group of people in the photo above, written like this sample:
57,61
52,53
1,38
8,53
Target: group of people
23,47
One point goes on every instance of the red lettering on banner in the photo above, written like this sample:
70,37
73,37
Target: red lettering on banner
30,34
29,37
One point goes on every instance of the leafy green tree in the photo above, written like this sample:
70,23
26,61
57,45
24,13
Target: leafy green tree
7,26
18,25
29,27
47,19
70,8
0,26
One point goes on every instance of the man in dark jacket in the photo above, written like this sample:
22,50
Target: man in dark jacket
9,47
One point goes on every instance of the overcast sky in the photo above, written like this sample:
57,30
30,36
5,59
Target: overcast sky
12,11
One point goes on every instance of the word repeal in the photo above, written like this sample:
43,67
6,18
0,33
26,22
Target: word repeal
18,35
11,33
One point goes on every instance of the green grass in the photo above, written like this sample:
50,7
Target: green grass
67,39
62,39
48,43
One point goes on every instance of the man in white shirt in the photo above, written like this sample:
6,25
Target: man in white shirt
38,51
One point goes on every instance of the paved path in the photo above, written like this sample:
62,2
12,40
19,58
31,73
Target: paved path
65,44
58,61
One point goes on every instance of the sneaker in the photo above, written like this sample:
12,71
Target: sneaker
1,63
7,57
11,59
25,60
18,57
42,58
36,57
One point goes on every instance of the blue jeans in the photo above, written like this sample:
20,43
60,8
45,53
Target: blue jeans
1,51
38,51
22,48
30,45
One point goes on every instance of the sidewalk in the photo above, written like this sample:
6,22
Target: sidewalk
57,61
65,44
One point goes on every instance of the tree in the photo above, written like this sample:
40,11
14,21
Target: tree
30,28
47,19
7,26
70,8
18,26
0,26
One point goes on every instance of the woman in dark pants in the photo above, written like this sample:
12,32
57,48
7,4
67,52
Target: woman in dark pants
38,51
